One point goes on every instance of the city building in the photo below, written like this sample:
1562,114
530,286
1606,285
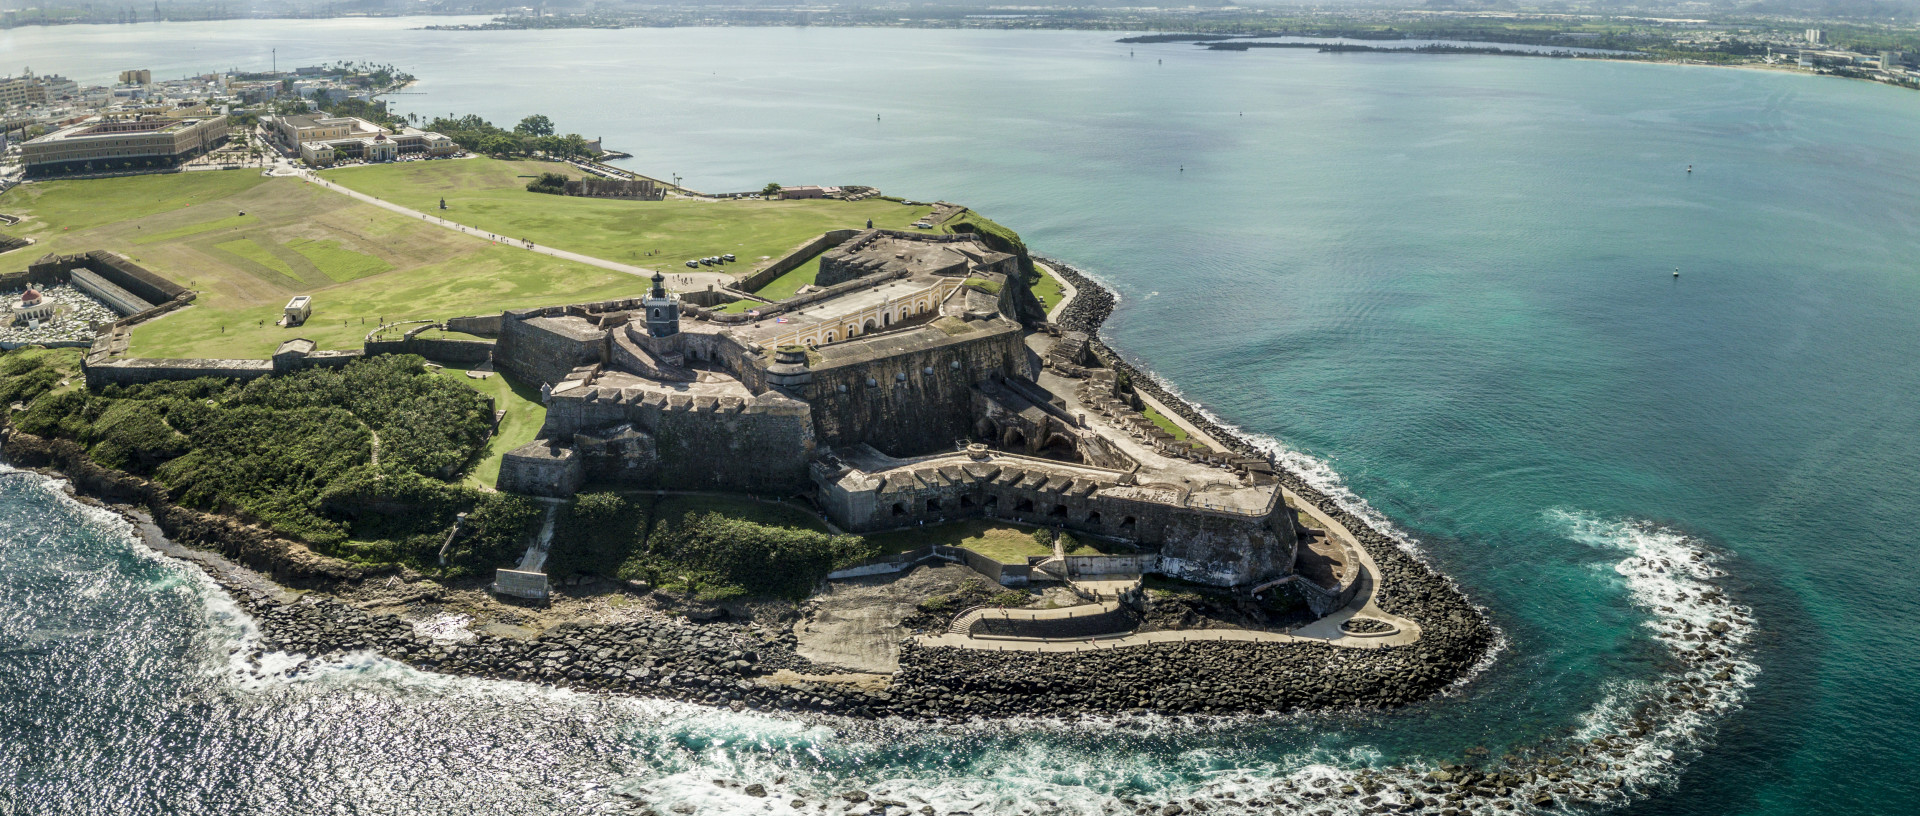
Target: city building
22,91
323,140
138,77
1816,36
103,144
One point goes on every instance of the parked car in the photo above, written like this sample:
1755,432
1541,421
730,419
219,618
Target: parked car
693,264
727,257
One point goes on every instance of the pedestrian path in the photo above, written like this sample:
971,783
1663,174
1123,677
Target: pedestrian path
686,281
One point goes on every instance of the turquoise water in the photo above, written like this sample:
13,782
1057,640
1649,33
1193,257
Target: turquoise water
1445,282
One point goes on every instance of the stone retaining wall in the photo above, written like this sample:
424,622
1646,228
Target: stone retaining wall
792,260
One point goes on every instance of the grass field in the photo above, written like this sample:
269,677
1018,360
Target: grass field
787,285
359,262
1165,424
491,195
1006,543
522,423
1048,291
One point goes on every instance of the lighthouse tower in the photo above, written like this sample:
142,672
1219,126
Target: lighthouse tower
663,309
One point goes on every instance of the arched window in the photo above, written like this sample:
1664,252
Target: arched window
1025,506
886,319
899,509
1093,517
830,337
1059,510
933,505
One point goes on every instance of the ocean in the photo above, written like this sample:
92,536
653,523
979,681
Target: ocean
1441,286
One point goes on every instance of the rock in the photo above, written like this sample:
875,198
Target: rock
756,789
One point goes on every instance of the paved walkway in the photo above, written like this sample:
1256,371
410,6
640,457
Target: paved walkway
684,281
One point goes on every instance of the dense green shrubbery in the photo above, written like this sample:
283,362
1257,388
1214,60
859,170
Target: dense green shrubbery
718,556
24,377
269,464
296,452
597,534
711,555
426,424
551,183
496,530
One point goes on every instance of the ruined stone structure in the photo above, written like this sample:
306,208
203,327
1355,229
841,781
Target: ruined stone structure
900,392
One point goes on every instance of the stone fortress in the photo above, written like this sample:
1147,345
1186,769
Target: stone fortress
916,382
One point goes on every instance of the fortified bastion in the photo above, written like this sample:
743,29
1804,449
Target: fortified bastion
900,390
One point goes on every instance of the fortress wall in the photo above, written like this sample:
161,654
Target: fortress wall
118,299
680,442
841,265
798,301
1218,549
477,325
134,371
535,350
438,350
919,401
788,262
116,270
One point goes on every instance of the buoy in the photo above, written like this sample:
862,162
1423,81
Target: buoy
1689,168
1676,271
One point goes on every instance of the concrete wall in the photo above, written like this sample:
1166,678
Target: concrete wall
542,349
915,401
1209,547
477,325
119,271
436,349
541,468
141,370
652,439
792,260
120,300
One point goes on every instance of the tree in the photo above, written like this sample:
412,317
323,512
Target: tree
772,189
535,125
500,145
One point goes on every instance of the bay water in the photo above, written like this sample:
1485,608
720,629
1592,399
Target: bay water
1441,285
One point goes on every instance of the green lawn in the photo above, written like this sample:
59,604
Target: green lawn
359,262
491,195
337,262
521,425
1048,290
999,540
86,203
489,279
251,250
1165,424
230,222
789,284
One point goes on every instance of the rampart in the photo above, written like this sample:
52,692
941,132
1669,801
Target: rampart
911,392
137,370
788,262
116,270
846,262
1252,543
657,438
